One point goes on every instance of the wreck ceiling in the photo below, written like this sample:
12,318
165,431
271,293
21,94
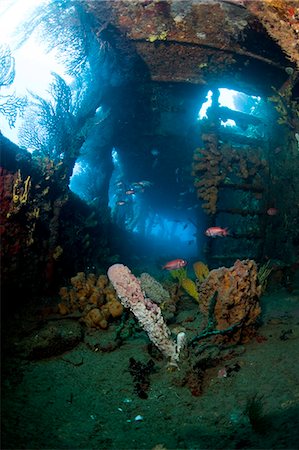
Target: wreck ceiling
239,42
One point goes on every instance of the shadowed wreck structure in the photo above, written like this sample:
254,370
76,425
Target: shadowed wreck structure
165,153
160,59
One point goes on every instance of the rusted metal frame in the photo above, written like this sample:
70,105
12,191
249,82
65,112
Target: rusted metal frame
212,47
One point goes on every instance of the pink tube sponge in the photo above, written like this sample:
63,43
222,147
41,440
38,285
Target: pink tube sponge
146,311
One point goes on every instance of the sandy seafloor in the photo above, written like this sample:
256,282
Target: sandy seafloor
85,398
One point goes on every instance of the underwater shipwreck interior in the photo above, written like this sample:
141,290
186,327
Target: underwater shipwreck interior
149,224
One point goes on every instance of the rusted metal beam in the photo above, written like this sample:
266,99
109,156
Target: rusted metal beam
211,46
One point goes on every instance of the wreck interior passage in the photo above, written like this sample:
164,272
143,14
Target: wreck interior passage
149,223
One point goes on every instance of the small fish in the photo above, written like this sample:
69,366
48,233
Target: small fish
175,264
145,183
155,152
216,231
137,187
130,192
120,203
292,12
222,373
272,211
185,226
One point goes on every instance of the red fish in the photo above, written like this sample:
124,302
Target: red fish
216,231
272,211
175,264
292,12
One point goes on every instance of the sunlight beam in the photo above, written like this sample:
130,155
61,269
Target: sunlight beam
33,63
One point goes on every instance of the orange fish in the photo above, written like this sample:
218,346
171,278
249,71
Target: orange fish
216,231
272,211
175,264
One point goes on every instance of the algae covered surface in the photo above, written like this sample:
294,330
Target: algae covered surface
99,394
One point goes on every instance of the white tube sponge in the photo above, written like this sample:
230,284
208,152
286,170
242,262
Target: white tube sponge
147,312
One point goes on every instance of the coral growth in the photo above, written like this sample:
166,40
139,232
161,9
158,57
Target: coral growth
286,107
153,289
237,301
156,292
19,216
11,237
207,173
21,189
94,297
147,312
27,214
281,23
263,275
17,206
217,165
